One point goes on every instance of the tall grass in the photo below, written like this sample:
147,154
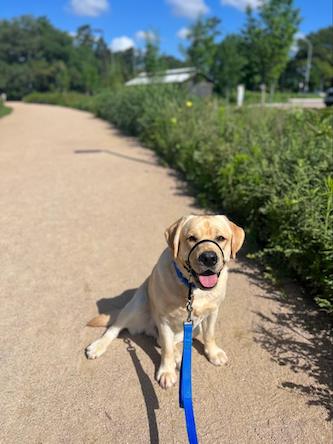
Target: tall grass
270,168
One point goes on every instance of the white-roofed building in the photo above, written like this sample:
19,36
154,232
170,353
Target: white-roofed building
197,83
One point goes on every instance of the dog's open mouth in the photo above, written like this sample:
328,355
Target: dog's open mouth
208,279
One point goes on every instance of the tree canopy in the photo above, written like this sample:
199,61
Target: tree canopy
267,41
36,56
229,64
202,50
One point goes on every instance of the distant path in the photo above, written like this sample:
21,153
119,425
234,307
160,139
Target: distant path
82,215
295,104
299,103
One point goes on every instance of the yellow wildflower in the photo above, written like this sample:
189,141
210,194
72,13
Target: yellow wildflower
173,120
189,104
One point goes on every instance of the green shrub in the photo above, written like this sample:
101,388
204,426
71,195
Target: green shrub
4,110
271,169
70,99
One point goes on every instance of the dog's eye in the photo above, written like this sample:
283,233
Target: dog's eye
192,239
220,239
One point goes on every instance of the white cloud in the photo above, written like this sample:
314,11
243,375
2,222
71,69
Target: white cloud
188,8
299,36
242,4
90,8
183,33
120,44
146,35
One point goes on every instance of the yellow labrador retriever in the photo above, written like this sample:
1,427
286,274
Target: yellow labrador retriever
158,306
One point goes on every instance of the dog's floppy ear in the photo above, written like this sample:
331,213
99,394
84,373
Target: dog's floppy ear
172,234
238,236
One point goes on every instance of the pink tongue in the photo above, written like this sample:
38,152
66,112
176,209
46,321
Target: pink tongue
208,281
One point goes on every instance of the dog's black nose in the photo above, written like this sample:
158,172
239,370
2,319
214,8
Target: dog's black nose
208,258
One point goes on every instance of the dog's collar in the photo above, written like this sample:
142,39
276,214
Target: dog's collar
181,277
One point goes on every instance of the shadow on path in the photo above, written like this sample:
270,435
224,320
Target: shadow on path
148,392
296,335
147,344
113,153
182,188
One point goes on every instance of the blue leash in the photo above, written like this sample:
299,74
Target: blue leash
185,385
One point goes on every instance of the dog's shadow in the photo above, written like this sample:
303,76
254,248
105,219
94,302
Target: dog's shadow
112,306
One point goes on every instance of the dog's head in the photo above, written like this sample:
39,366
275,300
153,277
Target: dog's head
206,259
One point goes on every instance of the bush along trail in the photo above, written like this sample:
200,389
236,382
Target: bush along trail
271,169
4,110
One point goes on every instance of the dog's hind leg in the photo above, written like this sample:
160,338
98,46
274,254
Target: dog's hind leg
133,317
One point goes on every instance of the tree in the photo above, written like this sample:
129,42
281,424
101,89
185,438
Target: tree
84,66
267,41
321,74
202,50
152,58
293,76
126,61
31,50
171,62
35,56
84,37
229,64
103,56
122,67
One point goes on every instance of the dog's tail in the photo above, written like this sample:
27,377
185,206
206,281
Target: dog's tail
102,320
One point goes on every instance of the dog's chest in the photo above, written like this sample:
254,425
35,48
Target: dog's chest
201,309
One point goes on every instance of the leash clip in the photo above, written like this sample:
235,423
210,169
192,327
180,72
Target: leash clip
189,303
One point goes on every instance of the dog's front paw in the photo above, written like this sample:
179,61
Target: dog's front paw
166,379
97,348
216,356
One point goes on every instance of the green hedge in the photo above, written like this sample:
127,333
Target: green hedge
271,169
71,99
4,110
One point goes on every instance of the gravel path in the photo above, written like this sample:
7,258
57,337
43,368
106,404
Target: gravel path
82,216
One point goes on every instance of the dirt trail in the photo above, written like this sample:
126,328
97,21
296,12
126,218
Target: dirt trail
82,216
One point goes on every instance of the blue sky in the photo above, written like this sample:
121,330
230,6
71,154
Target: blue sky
124,21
